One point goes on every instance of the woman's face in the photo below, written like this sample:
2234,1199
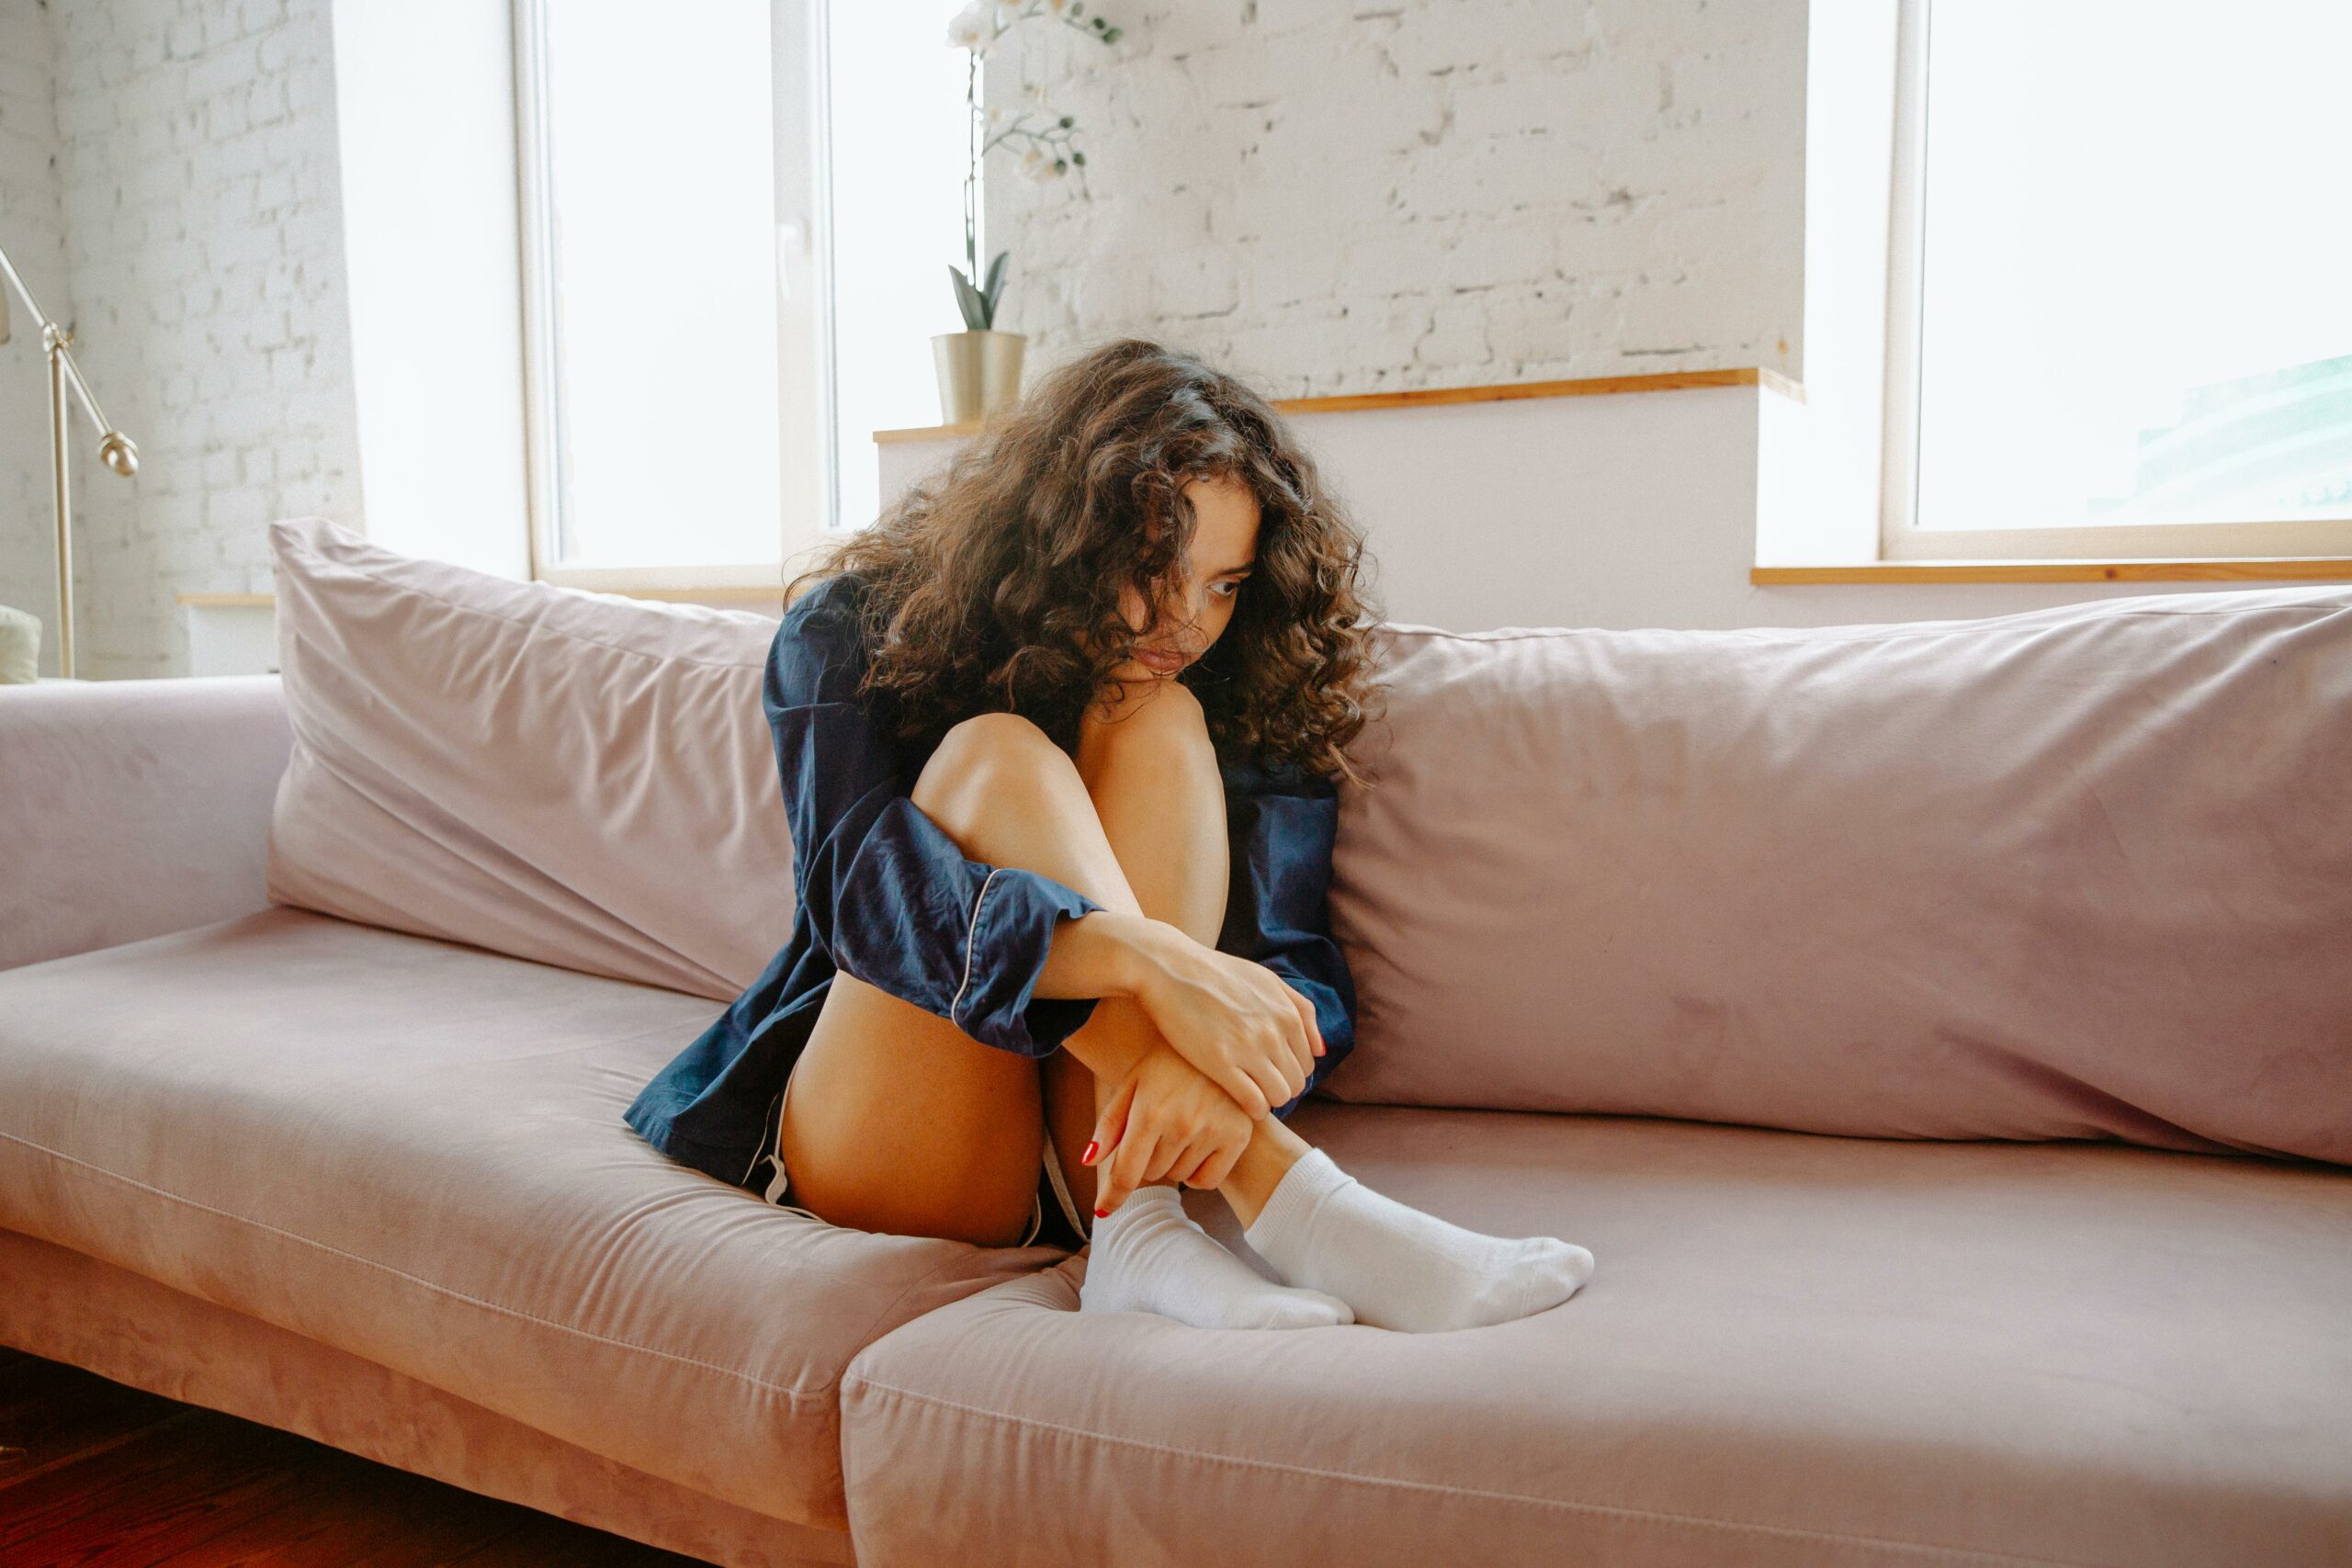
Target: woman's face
1195,610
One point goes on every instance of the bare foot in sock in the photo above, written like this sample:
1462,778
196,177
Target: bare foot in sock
1149,1255
1399,1266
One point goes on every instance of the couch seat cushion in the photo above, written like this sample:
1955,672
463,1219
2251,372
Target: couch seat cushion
1795,1349
412,1150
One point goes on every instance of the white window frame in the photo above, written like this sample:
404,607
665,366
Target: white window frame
541,383
1900,537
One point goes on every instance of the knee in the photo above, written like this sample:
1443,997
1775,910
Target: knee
988,757
1163,726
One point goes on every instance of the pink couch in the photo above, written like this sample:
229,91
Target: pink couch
1941,1035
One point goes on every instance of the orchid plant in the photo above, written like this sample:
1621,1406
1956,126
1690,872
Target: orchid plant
1051,149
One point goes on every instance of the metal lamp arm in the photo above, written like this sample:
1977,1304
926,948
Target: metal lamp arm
49,330
116,450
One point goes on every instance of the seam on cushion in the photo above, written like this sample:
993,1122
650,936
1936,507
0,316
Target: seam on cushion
1885,635
971,938
795,1395
417,592
1691,1521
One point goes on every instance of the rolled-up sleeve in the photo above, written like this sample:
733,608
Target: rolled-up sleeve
891,898
1281,827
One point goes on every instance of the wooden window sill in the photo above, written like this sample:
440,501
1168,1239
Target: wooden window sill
1424,397
2281,568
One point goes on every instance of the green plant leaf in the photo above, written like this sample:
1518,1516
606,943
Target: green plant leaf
975,309
995,284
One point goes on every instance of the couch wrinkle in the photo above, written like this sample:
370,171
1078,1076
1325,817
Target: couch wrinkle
529,882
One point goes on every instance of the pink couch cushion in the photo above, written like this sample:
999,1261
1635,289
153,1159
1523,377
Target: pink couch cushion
583,779
413,1151
133,808
2078,873
1794,1351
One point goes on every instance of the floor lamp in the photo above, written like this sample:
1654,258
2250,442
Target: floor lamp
114,447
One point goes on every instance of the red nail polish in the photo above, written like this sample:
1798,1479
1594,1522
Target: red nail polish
1102,1214
1088,1157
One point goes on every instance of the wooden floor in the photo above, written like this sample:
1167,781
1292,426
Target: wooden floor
92,1471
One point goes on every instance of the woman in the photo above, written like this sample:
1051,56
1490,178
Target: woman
1059,736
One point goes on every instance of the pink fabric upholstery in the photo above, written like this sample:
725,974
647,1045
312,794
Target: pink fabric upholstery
412,1150
128,808
580,779
71,1308
2079,872
1794,1351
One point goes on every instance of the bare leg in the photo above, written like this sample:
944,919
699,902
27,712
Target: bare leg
1151,772
897,1121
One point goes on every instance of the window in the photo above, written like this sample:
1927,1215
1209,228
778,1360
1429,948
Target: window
737,218
2118,322
901,139
673,235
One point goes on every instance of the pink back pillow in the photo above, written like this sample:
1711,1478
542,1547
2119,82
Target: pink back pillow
581,779
2078,873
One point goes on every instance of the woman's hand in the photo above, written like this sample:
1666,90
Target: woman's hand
1234,1019
1165,1118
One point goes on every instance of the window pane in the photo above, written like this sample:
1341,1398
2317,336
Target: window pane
900,145
2134,301
661,186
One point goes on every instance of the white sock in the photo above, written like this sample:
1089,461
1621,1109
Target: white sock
1399,1268
1149,1255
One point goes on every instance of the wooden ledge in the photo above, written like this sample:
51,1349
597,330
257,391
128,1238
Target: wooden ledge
1580,387
2281,568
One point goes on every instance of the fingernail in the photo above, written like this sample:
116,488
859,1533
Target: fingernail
1088,1158
1102,1214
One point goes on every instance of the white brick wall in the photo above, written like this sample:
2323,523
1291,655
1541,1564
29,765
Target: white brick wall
32,229
1416,193
198,173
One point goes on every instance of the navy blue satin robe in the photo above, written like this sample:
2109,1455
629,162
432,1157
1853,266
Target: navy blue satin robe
886,895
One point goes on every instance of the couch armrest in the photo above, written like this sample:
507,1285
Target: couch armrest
131,808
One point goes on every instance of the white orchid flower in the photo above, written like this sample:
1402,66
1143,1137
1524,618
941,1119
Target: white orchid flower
972,28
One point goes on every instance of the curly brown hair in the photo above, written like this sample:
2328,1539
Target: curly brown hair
995,585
